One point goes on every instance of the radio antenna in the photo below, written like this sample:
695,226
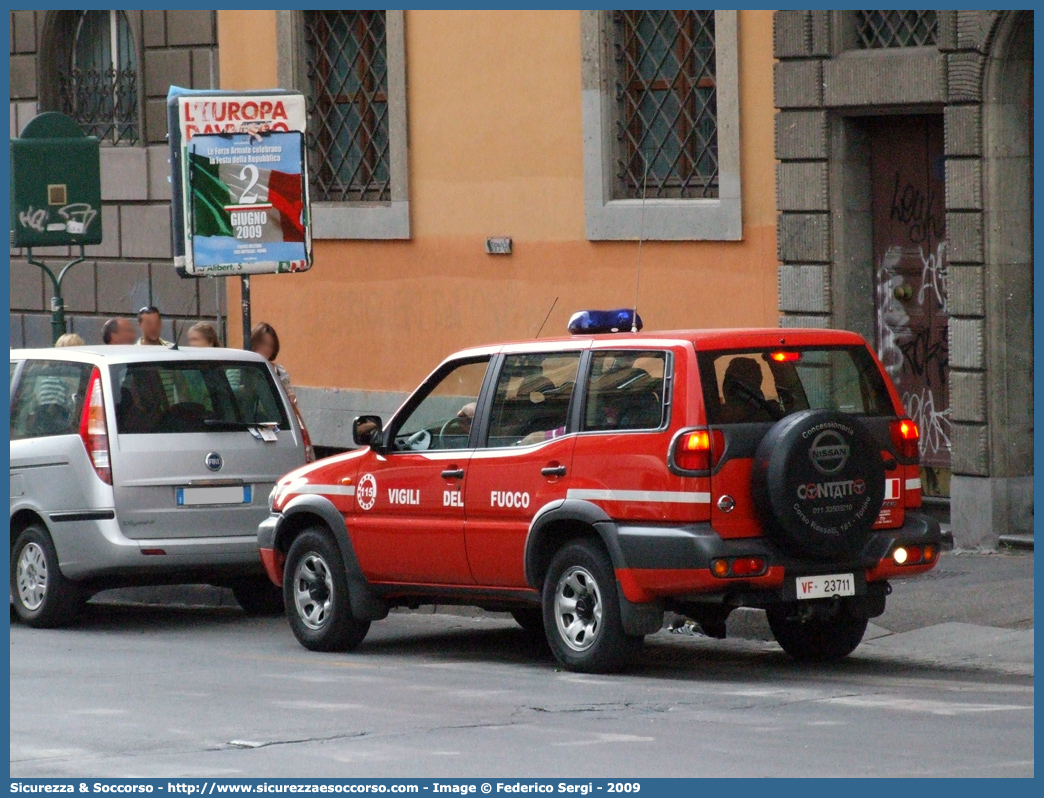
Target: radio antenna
548,316
641,235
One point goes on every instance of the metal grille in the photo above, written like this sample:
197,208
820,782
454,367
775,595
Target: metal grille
347,67
666,104
880,29
100,88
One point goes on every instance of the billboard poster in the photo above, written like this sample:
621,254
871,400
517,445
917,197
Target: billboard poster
240,183
247,201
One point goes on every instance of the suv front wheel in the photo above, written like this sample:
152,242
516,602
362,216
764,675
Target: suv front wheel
582,611
816,639
315,591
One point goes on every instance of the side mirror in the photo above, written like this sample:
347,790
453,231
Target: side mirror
366,431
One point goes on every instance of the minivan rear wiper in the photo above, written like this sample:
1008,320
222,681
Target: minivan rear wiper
244,425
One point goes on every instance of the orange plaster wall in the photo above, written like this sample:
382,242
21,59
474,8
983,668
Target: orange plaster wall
495,150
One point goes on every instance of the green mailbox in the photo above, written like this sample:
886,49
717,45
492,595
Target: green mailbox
55,184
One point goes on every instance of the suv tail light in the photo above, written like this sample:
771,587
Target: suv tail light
94,430
306,439
692,450
906,438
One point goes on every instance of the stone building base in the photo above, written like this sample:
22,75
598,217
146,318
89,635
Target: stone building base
982,507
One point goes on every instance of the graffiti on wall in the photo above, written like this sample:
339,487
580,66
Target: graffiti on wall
910,263
914,355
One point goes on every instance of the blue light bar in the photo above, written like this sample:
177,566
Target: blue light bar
596,322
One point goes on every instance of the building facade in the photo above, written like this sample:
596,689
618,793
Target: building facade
110,70
479,176
905,192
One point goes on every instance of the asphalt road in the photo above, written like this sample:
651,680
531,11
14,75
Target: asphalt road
168,691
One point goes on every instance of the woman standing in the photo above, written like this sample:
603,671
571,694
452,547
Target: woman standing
203,334
265,342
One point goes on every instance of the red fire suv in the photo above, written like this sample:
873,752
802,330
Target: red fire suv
588,484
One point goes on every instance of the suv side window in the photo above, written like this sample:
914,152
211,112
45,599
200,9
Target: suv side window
625,390
50,399
531,402
442,418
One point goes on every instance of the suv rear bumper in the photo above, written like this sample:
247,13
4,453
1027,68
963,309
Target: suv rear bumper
654,563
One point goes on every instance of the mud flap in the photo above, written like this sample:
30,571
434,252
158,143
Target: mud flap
639,620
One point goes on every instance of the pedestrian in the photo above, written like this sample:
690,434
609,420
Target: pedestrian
150,323
70,339
203,334
118,332
265,342
53,398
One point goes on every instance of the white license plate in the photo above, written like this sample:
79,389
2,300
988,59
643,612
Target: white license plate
234,494
825,586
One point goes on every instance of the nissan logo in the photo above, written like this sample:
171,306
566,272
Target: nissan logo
213,461
829,452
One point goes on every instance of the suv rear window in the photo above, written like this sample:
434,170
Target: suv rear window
207,396
764,385
625,390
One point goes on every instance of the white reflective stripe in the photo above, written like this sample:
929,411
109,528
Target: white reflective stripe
335,490
660,496
913,484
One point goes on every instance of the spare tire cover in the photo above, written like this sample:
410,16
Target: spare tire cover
818,483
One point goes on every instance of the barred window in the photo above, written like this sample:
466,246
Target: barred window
98,85
347,70
883,29
666,96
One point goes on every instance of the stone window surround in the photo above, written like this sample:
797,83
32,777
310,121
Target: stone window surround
608,219
358,220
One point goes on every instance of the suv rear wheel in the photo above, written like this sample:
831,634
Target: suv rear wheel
582,611
315,591
816,639
42,596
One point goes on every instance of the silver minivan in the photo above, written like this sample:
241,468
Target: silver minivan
140,465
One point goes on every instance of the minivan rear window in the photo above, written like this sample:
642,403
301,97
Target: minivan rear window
202,396
764,385
50,399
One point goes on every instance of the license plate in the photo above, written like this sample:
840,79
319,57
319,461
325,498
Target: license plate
825,586
234,494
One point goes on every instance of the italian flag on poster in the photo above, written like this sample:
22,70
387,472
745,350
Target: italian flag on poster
246,200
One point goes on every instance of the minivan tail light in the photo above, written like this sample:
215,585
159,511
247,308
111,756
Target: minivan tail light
94,431
692,450
906,437
306,439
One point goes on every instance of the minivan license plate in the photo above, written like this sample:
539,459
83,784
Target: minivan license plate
825,586
232,494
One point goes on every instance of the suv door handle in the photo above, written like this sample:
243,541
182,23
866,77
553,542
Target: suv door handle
553,471
453,473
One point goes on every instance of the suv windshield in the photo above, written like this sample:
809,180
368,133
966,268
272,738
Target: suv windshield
764,385
202,396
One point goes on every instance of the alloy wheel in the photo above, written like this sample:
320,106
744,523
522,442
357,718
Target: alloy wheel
313,591
578,608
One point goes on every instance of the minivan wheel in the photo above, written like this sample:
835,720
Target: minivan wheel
816,639
582,611
41,594
315,592
258,596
